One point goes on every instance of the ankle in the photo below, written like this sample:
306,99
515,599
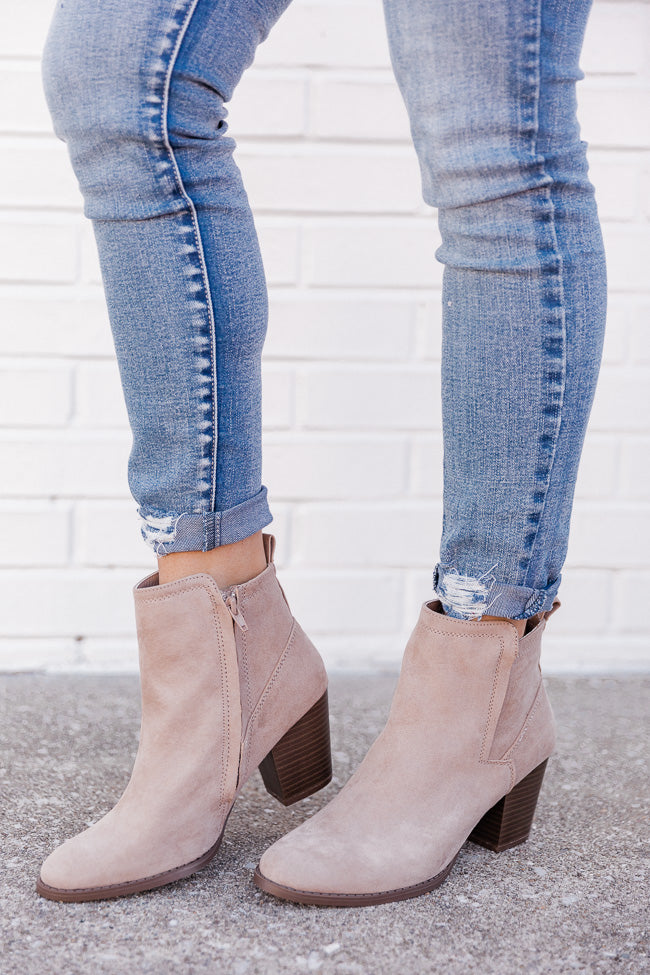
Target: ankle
229,565
519,624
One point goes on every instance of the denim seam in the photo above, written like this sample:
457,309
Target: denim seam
189,12
555,291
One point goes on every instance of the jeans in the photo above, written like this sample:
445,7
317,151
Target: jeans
137,90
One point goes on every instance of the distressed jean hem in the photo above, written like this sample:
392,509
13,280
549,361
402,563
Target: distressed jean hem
465,597
166,532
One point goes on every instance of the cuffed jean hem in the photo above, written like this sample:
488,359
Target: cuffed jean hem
465,597
188,532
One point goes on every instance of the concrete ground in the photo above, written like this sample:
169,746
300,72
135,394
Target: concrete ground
572,899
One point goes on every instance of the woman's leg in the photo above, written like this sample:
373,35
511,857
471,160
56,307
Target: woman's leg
229,680
137,90
490,90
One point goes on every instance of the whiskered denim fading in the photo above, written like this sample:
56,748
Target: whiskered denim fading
138,93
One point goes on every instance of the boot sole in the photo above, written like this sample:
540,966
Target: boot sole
350,900
504,825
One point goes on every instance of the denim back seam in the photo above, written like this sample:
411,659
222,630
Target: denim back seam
192,254
554,327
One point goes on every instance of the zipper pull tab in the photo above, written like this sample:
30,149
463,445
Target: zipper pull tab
232,603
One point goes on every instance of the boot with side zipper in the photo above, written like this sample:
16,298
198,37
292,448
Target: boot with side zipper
229,682
462,757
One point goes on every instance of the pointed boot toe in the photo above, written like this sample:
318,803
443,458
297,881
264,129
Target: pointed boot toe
302,860
78,866
60,871
462,757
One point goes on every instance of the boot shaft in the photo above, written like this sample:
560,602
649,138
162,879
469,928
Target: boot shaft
476,685
525,692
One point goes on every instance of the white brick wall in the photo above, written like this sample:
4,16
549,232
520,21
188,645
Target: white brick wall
352,422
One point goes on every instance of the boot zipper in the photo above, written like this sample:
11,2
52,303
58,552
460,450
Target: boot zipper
231,599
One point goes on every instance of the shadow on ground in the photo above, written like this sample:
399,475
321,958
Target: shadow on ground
573,899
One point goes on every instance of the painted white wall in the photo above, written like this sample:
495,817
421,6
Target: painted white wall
352,424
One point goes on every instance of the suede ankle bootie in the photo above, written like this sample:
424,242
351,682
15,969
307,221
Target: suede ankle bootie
229,682
461,757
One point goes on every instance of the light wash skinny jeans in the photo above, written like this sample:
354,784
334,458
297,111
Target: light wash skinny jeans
136,88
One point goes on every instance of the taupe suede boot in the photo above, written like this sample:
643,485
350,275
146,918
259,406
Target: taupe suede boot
462,756
227,684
